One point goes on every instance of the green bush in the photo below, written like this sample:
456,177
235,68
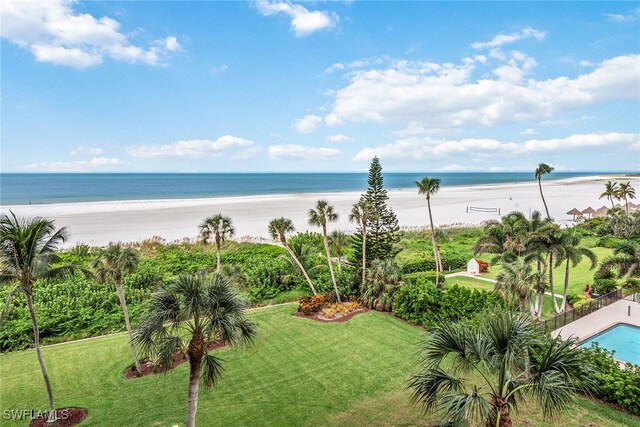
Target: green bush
604,274
418,263
609,242
612,383
459,302
421,277
416,302
581,302
574,298
604,286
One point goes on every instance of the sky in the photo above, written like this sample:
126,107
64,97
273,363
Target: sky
276,86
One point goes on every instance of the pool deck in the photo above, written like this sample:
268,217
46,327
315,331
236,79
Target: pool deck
602,319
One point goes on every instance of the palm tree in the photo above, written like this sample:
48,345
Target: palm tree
383,278
572,254
111,265
278,229
496,351
320,216
543,169
218,226
626,192
428,187
362,212
516,282
610,192
338,240
625,259
27,254
209,311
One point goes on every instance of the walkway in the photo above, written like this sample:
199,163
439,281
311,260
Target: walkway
486,279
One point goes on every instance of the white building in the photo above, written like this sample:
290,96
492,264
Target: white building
473,267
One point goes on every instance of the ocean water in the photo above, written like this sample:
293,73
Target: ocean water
21,188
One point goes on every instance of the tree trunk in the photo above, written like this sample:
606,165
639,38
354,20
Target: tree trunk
505,417
626,203
540,304
299,264
543,201
36,335
556,309
522,302
326,249
195,363
435,247
563,305
217,253
339,261
125,310
364,251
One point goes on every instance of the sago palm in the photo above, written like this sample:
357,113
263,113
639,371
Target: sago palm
320,217
572,254
27,254
110,266
428,187
494,353
541,170
610,192
189,315
278,229
219,227
362,212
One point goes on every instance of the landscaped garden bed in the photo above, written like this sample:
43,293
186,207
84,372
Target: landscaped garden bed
326,308
66,417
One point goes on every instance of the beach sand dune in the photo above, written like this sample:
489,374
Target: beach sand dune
98,223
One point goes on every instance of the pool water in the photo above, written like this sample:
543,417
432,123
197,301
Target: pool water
622,338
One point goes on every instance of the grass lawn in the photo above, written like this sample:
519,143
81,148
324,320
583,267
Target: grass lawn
299,372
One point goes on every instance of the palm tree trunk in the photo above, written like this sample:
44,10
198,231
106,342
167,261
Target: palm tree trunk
563,305
194,386
540,304
364,251
125,310
532,306
43,368
339,261
326,249
626,203
217,254
556,309
433,243
522,302
546,209
299,264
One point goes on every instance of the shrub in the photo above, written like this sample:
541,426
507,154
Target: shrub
581,302
604,286
418,264
312,304
423,277
604,274
383,278
459,302
416,301
611,383
609,242
574,298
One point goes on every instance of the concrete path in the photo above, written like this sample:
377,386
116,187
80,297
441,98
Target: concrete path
486,279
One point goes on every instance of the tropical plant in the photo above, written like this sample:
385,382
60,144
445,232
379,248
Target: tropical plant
383,278
428,187
541,170
495,352
190,315
625,260
27,254
111,265
338,241
361,212
278,229
220,227
610,192
382,223
626,192
572,254
516,282
320,216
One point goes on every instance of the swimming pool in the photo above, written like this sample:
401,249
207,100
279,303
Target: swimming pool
622,338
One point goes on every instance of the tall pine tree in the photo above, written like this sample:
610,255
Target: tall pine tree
382,227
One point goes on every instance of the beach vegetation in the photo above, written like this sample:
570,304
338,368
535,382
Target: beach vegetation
382,280
428,187
217,228
320,216
542,170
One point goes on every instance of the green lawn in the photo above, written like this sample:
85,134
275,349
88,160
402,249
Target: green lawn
299,372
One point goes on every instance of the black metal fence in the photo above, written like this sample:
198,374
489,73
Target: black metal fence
569,316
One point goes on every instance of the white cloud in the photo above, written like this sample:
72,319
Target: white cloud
619,18
358,63
502,39
54,33
421,148
292,152
303,21
529,131
445,95
93,151
194,149
219,69
95,164
453,168
246,153
307,124
332,120
585,63
339,138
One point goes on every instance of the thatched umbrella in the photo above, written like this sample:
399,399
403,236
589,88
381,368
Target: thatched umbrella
574,212
603,211
590,211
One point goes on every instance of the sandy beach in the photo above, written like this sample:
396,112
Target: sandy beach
98,223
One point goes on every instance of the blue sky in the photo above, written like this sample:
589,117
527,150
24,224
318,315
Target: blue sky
319,86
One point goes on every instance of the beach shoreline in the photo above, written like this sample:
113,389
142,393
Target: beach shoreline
98,223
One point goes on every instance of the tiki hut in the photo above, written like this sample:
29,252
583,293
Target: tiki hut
589,211
602,212
575,212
